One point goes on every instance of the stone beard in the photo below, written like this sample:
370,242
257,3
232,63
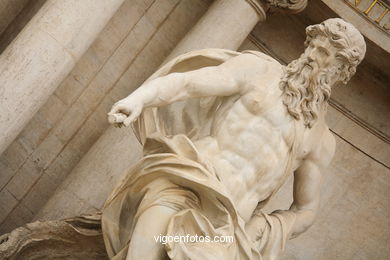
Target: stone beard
306,86
306,89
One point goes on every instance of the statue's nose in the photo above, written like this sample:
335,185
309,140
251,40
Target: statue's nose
311,55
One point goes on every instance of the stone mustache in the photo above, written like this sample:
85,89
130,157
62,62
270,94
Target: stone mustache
221,132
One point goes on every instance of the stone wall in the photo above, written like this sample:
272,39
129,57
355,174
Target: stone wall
131,46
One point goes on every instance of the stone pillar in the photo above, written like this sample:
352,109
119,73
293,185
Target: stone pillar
9,9
43,54
226,24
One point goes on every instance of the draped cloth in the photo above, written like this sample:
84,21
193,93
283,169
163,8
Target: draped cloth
173,173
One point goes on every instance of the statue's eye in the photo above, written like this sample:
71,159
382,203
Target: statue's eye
323,51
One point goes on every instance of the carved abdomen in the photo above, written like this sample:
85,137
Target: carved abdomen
249,153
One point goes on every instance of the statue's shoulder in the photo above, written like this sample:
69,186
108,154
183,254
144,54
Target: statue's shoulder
262,56
256,63
324,145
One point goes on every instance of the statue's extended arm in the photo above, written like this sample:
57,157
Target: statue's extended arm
223,80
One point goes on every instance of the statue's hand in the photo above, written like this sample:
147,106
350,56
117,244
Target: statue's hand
124,112
255,227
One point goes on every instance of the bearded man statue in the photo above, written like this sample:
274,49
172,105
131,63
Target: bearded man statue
221,132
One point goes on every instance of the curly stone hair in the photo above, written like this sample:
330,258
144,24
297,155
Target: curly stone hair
304,94
344,37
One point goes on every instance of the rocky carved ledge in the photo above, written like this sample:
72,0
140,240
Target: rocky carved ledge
72,238
270,6
288,6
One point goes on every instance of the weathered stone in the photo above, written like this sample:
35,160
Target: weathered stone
30,71
73,238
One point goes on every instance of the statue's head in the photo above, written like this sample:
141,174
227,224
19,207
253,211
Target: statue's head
337,44
334,48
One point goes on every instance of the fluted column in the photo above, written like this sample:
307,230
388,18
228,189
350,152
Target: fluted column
43,54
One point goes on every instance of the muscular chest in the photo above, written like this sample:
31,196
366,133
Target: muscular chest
258,118
252,147
261,141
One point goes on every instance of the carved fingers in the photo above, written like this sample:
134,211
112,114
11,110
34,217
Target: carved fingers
123,113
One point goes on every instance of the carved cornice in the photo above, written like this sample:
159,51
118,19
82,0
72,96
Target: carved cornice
289,6
366,12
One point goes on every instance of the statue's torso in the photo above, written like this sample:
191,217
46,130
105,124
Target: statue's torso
250,145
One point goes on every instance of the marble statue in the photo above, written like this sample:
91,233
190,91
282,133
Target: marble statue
221,132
